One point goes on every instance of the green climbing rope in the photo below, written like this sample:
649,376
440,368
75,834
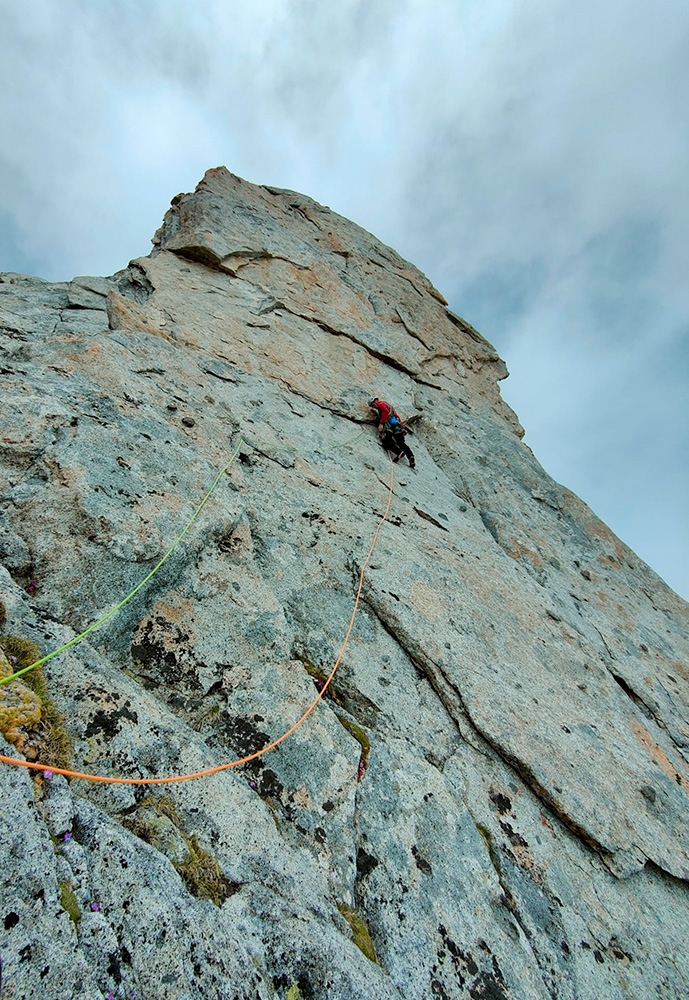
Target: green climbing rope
101,621
132,593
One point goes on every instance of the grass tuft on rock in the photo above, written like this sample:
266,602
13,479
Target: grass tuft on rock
488,840
69,902
20,652
362,739
164,806
360,934
200,871
29,718
203,876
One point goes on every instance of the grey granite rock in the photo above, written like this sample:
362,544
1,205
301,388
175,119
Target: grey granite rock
493,795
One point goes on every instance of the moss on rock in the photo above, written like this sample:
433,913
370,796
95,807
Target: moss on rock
203,876
29,718
362,739
360,933
157,822
69,902
20,709
319,677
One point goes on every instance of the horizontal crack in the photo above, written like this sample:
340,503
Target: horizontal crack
429,517
380,355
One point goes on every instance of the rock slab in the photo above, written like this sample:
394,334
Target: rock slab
494,793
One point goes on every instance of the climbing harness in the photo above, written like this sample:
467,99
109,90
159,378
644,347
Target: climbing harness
393,424
103,779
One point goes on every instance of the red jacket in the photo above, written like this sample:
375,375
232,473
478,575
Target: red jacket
384,410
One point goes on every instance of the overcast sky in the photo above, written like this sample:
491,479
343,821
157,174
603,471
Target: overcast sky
530,156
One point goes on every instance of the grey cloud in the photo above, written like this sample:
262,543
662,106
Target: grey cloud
502,292
532,158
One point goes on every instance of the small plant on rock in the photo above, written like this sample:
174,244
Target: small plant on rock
199,870
362,739
319,678
29,718
69,902
360,934
203,876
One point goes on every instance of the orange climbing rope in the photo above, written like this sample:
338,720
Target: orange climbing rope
259,753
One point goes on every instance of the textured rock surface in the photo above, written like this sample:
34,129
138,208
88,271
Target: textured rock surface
523,678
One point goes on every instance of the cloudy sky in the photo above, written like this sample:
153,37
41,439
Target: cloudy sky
531,156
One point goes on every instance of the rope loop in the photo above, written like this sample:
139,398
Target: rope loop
103,779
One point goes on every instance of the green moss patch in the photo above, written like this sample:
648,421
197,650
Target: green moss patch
68,902
199,870
362,739
203,876
29,718
20,652
319,677
360,934
164,806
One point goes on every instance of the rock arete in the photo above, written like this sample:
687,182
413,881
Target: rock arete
492,800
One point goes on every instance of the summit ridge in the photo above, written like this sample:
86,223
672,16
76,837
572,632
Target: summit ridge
491,801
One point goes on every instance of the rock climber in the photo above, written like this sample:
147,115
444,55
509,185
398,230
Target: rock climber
391,430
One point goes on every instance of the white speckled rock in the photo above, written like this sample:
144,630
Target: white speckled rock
498,782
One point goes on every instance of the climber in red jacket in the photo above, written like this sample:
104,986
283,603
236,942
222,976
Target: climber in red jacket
391,430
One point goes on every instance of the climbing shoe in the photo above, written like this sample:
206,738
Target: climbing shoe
398,457
412,463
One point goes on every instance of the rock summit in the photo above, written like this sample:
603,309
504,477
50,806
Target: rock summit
491,799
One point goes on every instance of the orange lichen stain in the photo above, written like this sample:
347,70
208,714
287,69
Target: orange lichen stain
568,634
546,822
657,754
20,709
600,530
182,611
681,668
124,314
527,862
596,529
518,550
367,305
606,560
336,244
602,596
306,276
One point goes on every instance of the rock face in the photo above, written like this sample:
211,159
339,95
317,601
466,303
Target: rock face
491,801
